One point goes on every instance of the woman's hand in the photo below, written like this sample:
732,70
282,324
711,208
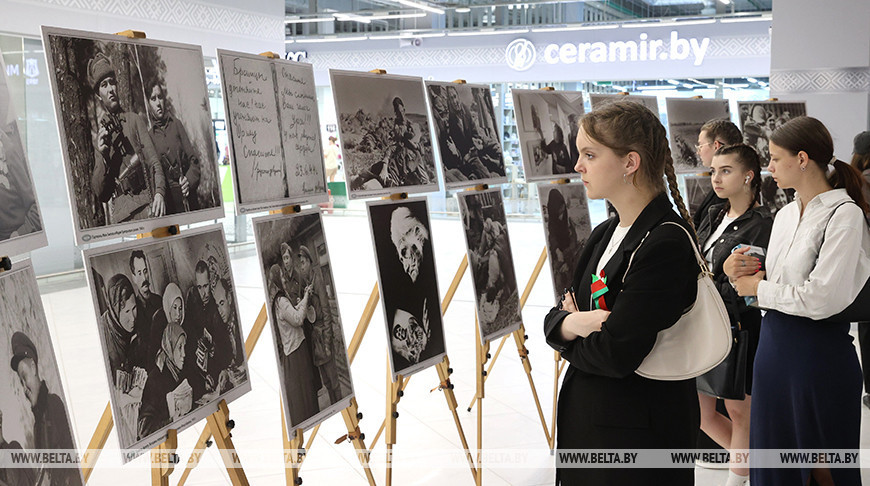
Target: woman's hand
568,302
582,324
739,265
747,286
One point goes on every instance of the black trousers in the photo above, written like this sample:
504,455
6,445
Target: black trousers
864,343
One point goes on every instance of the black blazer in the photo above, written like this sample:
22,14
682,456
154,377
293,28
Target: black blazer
750,228
603,403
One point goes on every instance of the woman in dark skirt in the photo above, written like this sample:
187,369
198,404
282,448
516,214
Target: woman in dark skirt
807,382
608,323
740,220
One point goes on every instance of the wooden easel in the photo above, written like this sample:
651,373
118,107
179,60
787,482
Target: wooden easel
395,389
163,457
294,447
520,338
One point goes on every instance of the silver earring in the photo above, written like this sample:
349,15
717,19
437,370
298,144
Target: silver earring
624,179
803,168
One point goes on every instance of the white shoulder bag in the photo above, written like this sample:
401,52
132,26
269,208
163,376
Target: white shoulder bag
699,341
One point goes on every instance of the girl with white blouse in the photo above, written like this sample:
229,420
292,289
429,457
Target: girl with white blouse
807,382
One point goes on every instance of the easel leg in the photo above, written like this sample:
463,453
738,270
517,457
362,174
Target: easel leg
533,278
482,355
220,426
351,417
444,372
520,338
206,435
98,441
163,459
393,395
292,449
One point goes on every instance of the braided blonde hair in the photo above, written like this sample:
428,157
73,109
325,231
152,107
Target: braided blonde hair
627,126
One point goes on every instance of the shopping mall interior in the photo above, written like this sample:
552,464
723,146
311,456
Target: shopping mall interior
815,54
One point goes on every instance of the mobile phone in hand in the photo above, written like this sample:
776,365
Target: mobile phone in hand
757,252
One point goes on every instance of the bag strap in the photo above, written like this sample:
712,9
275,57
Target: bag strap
702,263
832,216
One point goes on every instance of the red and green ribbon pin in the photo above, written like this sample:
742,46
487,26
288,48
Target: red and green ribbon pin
599,288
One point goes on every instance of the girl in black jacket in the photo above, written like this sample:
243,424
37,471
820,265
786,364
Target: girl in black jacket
608,322
736,177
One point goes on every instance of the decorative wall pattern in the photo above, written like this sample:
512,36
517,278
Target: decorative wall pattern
720,47
821,80
183,13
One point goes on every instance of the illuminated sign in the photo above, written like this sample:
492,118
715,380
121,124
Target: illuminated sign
520,53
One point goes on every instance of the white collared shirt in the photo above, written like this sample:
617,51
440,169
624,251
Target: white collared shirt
811,273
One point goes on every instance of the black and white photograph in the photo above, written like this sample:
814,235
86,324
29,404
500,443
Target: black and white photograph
491,263
567,226
21,228
468,140
694,189
136,132
384,128
547,122
274,139
758,119
169,324
773,196
600,99
34,411
402,236
303,310
686,116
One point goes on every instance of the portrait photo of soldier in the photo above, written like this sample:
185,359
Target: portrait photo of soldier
135,130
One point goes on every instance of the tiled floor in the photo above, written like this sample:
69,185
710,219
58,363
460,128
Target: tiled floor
427,438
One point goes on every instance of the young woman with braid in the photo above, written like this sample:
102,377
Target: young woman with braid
807,383
739,220
608,322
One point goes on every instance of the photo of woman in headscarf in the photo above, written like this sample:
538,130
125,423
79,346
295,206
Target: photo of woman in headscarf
126,352
166,383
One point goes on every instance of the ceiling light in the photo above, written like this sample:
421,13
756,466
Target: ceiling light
689,86
462,10
752,80
299,20
331,39
673,81
352,18
655,88
725,2
395,16
422,6
576,27
641,24
487,32
760,18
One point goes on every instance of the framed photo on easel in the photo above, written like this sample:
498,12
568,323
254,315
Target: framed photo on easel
34,410
274,131
384,129
169,330
469,144
135,130
302,304
21,227
547,122
490,262
402,236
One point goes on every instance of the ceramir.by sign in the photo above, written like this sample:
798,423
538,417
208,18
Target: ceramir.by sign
521,53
